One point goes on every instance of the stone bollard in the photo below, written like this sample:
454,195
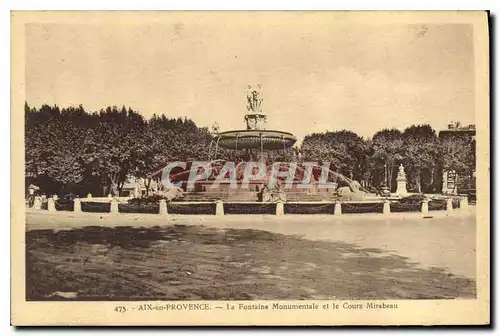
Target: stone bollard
37,204
89,196
77,205
280,208
51,205
219,208
386,210
110,196
464,203
425,206
338,209
114,207
449,204
163,207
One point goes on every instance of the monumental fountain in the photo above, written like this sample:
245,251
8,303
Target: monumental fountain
255,143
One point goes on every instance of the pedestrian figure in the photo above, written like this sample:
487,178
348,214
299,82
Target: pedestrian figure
31,194
114,189
37,203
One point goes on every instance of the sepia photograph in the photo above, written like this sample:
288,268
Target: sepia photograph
275,163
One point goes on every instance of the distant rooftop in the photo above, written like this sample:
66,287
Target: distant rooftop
455,127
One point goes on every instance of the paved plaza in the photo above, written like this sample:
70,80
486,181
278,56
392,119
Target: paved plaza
132,256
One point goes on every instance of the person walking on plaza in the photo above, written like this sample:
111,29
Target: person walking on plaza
31,194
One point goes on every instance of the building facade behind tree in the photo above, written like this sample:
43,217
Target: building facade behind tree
459,164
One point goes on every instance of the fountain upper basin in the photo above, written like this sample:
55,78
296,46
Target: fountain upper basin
255,139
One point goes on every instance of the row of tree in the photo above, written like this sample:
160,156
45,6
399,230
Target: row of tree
73,150
374,161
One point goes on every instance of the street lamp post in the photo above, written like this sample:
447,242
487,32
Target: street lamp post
385,175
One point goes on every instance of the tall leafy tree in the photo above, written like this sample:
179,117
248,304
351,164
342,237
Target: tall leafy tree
420,151
458,154
387,153
53,145
118,149
345,150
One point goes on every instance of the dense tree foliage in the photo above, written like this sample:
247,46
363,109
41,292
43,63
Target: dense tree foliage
73,150
344,150
387,154
457,153
420,149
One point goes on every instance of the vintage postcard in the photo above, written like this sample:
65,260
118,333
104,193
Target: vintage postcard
250,168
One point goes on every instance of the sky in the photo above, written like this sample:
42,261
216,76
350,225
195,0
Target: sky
316,76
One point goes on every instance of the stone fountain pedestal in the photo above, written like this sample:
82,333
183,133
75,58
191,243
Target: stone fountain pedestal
401,182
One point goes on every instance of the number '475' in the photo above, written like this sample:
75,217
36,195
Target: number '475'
120,309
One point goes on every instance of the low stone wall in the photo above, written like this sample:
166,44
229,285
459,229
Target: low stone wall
116,205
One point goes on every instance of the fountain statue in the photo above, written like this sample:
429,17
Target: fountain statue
255,119
255,137
274,194
401,181
254,99
215,128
